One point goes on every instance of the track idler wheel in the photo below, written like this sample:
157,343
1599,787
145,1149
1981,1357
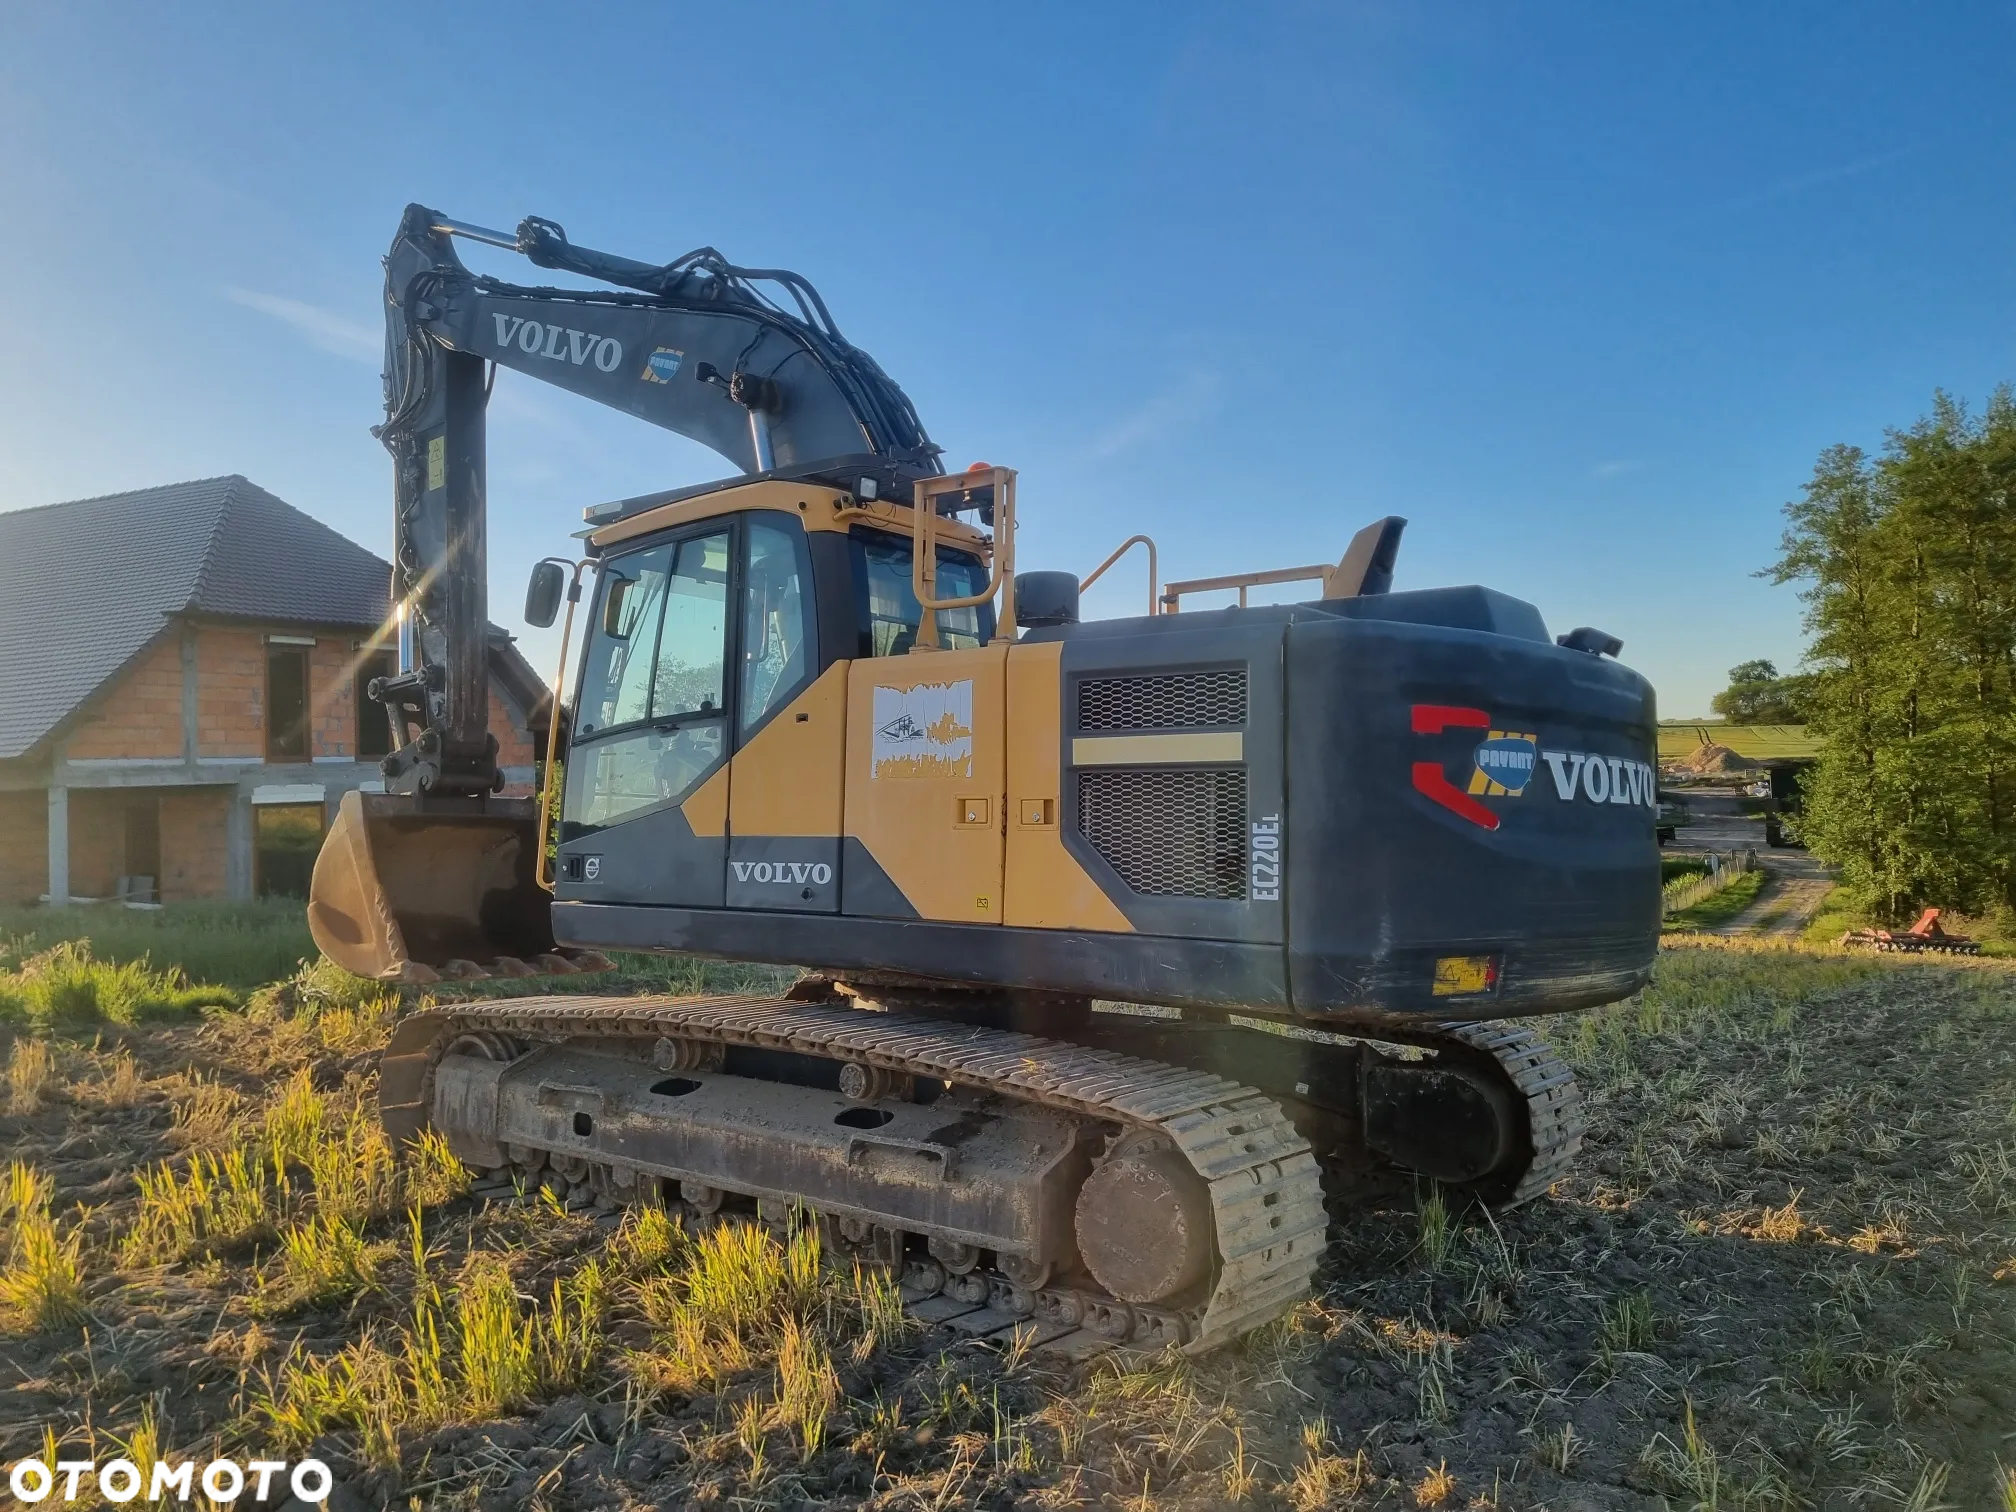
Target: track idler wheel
1144,1224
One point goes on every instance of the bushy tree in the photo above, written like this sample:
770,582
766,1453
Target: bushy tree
1758,695
1907,565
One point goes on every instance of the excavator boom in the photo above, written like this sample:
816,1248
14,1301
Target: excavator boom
696,346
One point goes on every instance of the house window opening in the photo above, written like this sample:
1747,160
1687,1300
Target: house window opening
286,838
286,703
141,880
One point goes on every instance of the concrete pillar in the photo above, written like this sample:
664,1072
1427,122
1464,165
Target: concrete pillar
189,729
238,848
59,846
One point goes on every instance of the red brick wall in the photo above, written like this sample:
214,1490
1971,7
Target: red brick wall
231,698
230,693
97,841
514,742
141,714
193,844
24,846
332,697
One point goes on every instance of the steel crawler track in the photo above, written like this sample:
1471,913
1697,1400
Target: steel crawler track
1261,1175
1542,1079
1265,1193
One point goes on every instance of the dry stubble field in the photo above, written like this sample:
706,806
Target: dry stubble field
1784,1275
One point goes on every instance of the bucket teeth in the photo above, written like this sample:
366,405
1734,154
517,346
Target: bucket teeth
411,973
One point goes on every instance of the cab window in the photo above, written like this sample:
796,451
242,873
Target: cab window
693,643
616,685
651,717
775,625
888,606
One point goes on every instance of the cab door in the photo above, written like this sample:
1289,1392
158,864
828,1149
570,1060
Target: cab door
651,727
784,794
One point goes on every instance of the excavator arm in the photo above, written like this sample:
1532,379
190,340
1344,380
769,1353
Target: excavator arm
698,346
440,873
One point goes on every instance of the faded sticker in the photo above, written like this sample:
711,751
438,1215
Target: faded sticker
662,366
925,731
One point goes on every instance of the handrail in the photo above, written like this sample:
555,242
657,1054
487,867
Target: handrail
1118,552
544,871
924,551
1244,580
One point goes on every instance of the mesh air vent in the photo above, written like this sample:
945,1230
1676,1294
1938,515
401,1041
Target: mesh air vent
1173,832
1170,701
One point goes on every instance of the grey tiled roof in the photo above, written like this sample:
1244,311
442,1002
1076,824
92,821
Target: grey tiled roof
86,586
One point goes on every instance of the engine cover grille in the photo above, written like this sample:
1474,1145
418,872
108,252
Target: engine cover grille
1175,832
1165,701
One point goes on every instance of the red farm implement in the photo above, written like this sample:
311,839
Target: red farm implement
1925,935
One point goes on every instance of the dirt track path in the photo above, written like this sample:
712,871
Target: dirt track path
1798,883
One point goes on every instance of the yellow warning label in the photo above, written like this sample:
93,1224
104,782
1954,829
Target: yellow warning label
437,462
1455,975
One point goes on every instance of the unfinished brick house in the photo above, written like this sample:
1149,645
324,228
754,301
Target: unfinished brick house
182,675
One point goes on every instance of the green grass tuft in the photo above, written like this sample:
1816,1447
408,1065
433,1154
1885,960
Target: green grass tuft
67,987
1672,868
42,1277
472,1351
30,1069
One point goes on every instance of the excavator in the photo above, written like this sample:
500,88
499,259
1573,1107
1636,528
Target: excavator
1125,944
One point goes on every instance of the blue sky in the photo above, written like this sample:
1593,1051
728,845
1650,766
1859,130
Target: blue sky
1582,290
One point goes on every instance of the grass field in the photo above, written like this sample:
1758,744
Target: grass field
1679,738
1783,1275
241,945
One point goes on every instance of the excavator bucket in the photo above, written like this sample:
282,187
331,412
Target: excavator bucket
406,894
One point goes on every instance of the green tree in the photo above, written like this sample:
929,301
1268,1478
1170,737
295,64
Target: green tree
1758,695
1907,565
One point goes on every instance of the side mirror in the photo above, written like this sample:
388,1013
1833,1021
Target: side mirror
612,606
542,594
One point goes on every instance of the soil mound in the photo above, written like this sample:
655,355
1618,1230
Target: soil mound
1709,758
